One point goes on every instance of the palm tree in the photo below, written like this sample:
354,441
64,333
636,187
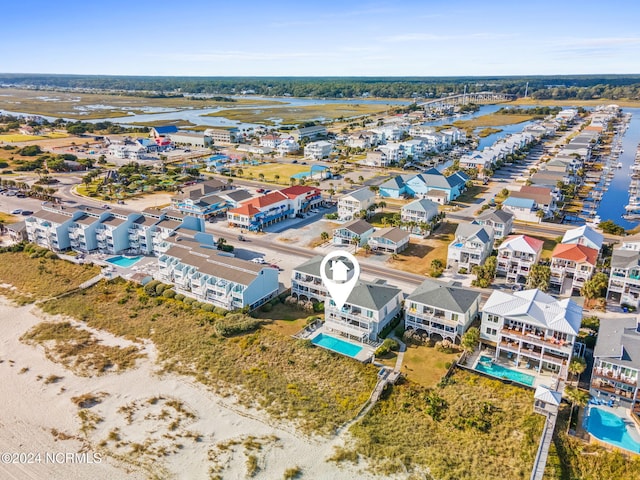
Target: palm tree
292,181
367,248
540,214
239,172
361,179
355,241
382,205
577,397
276,177
577,366
324,236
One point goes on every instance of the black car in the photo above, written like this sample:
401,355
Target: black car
26,212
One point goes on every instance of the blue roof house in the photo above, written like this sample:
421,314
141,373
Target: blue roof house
394,187
420,185
523,209
161,131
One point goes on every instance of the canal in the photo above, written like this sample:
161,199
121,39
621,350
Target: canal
616,197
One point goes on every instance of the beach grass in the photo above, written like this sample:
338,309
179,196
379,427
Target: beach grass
35,277
426,365
290,379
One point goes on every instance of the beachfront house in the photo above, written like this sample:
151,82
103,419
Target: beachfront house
318,150
370,307
471,246
443,309
306,281
201,200
355,231
389,240
571,266
112,232
516,255
531,329
260,212
624,279
350,204
227,282
500,220
417,215
616,363
49,229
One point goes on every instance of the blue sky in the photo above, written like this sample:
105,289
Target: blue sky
317,38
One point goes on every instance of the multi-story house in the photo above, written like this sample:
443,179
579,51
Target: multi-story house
624,280
318,150
425,184
223,135
586,236
201,200
571,266
390,239
516,255
377,158
417,214
500,220
82,232
617,362
369,308
350,204
532,329
313,132
355,229
470,247
306,281
50,229
226,282
303,198
441,308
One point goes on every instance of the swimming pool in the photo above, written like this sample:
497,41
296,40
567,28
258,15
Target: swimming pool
610,428
124,262
337,345
485,365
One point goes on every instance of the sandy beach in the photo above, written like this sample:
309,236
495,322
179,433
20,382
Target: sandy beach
139,423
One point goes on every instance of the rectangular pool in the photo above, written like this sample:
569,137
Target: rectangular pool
337,345
486,365
610,428
124,262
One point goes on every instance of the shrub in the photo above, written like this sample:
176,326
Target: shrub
188,300
219,311
169,293
267,307
180,297
207,307
318,307
462,271
235,324
150,288
391,344
160,288
50,255
381,351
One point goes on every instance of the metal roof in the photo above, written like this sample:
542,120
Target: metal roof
619,340
445,296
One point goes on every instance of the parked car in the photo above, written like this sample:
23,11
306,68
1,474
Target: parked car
26,212
259,260
241,238
17,211
260,190
295,161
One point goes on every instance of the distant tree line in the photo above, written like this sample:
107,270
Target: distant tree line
538,87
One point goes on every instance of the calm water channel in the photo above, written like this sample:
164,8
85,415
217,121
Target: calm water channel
617,195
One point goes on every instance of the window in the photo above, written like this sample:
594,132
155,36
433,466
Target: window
493,318
490,331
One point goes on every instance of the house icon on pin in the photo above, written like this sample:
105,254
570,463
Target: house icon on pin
339,270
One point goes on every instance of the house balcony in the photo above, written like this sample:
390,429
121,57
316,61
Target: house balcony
538,340
615,376
102,235
431,326
307,280
612,389
345,327
345,316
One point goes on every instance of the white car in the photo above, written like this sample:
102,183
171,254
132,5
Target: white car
259,260
16,212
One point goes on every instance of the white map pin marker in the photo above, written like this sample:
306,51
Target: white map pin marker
343,278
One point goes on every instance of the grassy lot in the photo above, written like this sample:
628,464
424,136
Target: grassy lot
296,115
417,257
78,350
471,194
269,170
31,101
485,430
18,137
547,248
7,218
426,365
40,277
284,319
288,378
376,219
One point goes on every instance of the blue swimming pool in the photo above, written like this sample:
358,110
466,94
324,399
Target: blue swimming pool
610,428
124,262
337,345
485,365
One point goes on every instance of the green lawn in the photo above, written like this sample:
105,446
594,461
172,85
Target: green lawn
270,170
426,365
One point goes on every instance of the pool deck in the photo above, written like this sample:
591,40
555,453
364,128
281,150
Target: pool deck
546,379
364,355
625,415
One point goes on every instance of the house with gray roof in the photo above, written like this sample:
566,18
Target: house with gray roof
350,204
531,329
616,362
202,200
624,279
17,231
306,281
50,229
370,307
500,220
417,214
471,246
346,234
444,309
423,184
390,240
